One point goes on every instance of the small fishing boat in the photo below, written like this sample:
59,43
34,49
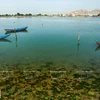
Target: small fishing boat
15,29
98,43
4,36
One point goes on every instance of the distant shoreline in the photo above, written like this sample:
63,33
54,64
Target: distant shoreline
76,13
45,16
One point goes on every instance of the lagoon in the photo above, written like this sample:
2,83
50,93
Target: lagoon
46,63
51,40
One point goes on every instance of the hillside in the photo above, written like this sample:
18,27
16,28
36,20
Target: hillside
85,12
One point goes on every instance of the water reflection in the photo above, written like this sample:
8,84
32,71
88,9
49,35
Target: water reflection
78,48
16,42
5,40
97,48
16,39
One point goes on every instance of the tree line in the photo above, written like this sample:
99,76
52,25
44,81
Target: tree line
29,14
20,14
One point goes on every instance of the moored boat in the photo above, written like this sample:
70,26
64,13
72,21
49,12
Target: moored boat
97,48
15,29
4,36
98,43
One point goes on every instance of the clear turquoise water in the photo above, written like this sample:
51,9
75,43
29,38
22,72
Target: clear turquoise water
51,39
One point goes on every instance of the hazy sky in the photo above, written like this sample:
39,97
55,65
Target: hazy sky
46,6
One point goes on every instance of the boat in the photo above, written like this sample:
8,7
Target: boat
4,36
98,43
15,29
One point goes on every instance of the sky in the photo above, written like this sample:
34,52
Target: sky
46,6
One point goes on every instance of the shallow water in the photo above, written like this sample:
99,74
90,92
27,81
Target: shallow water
46,62
51,40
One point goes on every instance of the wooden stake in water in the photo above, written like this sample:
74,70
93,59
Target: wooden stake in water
15,36
15,32
78,38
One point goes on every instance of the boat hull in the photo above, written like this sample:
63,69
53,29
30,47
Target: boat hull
4,36
98,43
15,29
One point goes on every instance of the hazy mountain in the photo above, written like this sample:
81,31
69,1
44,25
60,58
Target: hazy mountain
85,12
95,12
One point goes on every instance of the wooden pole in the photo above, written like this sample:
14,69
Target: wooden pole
15,32
15,36
78,38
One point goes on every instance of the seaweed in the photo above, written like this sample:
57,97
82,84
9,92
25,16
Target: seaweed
43,87
82,85
76,75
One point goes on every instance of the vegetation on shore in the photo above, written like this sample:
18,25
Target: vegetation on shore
36,15
29,14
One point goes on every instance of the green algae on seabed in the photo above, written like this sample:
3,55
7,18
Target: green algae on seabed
91,93
42,86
